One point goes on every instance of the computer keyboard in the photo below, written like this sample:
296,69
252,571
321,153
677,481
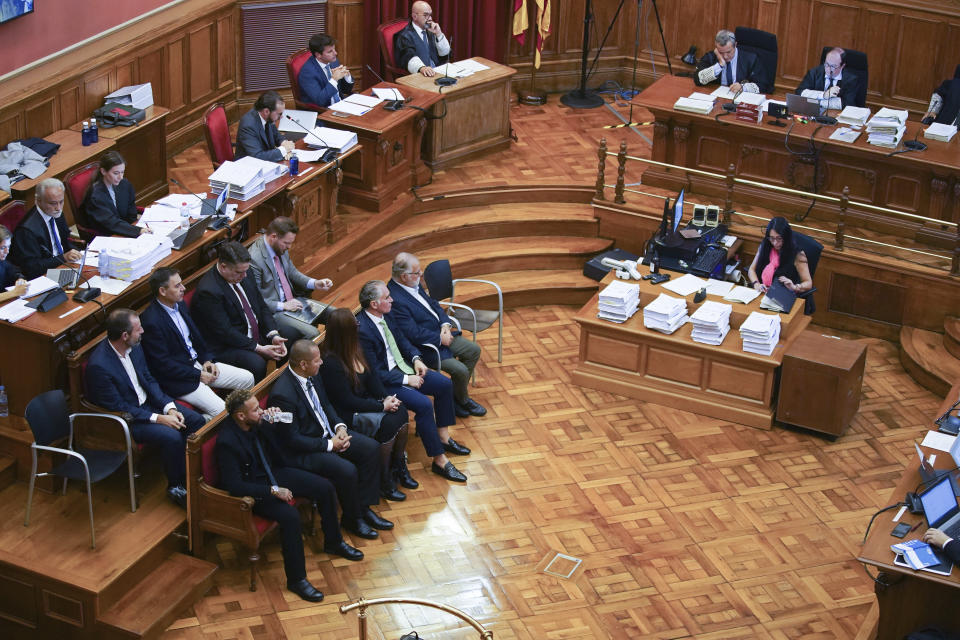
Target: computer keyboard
708,260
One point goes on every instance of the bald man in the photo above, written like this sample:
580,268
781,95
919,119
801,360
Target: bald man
420,46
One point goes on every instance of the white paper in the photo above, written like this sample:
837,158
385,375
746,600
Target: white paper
845,134
718,287
326,137
685,284
108,285
362,100
471,65
15,310
744,295
387,94
938,441
349,108
40,284
306,119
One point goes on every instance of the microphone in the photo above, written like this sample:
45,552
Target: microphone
947,423
330,154
732,105
220,221
446,80
85,295
389,105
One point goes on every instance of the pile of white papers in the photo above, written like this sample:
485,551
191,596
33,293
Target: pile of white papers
16,310
327,138
685,285
138,96
695,103
665,313
130,258
760,333
269,170
940,131
854,116
245,180
618,301
163,219
40,284
886,128
845,134
711,322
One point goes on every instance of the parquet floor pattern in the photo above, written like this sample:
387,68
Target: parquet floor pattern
687,526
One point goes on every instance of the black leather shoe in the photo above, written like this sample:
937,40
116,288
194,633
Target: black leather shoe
344,550
393,494
177,495
454,447
474,407
460,410
448,471
305,590
376,521
405,479
363,530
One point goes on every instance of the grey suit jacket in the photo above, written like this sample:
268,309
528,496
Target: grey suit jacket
262,268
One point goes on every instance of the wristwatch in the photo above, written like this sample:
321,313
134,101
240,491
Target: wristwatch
274,490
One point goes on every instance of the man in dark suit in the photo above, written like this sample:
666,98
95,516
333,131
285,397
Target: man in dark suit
319,442
834,87
118,379
323,80
949,545
400,368
944,103
423,321
185,367
281,284
420,46
232,316
730,66
257,133
42,241
250,465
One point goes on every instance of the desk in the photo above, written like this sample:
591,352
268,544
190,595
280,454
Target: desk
925,183
387,165
915,598
477,114
719,381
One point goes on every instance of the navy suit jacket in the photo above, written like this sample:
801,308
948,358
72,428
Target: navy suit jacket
849,84
241,471
949,90
253,140
314,86
405,47
220,317
107,384
417,324
167,352
108,218
375,349
305,435
31,248
749,68
9,273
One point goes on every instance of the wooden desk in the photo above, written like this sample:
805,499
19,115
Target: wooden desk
924,183
477,116
385,169
719,381
913,599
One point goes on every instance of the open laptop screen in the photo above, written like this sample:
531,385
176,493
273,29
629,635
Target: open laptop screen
939,503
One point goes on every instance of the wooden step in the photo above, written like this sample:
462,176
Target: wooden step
516,254
924,357
151,605
528,288
951,335
8,471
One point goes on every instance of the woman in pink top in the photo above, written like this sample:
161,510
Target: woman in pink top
779,259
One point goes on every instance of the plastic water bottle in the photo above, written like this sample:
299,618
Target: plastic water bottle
94,131
4,409
284,416
184,215
85,134
294,164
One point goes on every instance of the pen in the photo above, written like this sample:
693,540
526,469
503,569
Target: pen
915,527
64,315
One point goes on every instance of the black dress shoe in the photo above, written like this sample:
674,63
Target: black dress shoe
344,550
177,495
305,590
474,407
454,447
376,521
393,494
402,474
363,530
460,410
448,471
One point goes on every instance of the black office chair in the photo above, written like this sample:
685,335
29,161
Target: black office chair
812,249
856,61
764,45
50,423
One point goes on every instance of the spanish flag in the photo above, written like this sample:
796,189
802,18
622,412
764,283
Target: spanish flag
520,21
543,27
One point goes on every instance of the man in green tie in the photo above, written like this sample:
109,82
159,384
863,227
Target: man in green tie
401,370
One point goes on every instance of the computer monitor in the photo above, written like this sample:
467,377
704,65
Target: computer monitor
678,211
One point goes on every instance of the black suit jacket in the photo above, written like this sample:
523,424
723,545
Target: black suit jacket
108,385
405,47
849,84
949,90
375,349
217,313
241,470
111,219
167,352
417,324
749,68
9,273
305,435
253,140
31,248
953,551
347,399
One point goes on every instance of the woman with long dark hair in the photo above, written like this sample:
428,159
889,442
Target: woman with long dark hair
361,401
110,206
779,259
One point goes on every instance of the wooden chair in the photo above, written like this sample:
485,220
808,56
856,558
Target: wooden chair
77,182
295,62
385,34
216,130
12,213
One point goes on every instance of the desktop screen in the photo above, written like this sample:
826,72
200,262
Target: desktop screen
678,211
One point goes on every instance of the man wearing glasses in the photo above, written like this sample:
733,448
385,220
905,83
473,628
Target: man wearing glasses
830,83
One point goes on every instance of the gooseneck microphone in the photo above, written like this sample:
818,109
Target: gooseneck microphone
330,154
219,220
389,105
80,295
732,105
446,80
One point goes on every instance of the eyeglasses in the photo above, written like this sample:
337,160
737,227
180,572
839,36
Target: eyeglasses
832,66
414,273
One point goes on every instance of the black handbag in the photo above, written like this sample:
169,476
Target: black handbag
114,114
367,423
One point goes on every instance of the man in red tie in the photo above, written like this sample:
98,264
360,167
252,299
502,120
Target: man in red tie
232,316
286,291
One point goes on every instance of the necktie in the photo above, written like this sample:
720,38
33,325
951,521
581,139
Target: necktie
284,283
247,311
315,401
403,366
58,248
266,131
263,460
336,96
729,74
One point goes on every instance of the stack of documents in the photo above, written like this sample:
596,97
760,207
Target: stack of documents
269,170
356,104
138,96
16,310
618,301
743,295
665,313
854,116
327,138
696,102
917,553
245,180
130,258
886,128
711,322
845,134
760,333
940,131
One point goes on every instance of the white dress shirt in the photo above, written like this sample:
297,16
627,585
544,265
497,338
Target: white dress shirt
443,48
127,363
321,417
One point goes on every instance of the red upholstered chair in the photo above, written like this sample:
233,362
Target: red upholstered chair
217,131
77,182
385,33
12,213
295,62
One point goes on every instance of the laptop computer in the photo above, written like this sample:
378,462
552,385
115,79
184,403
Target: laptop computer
68,278
184,237
940,507
311,313
797,105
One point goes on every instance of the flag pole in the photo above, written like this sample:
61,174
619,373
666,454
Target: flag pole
533,96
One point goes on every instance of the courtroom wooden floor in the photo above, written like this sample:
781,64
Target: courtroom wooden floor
686,526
